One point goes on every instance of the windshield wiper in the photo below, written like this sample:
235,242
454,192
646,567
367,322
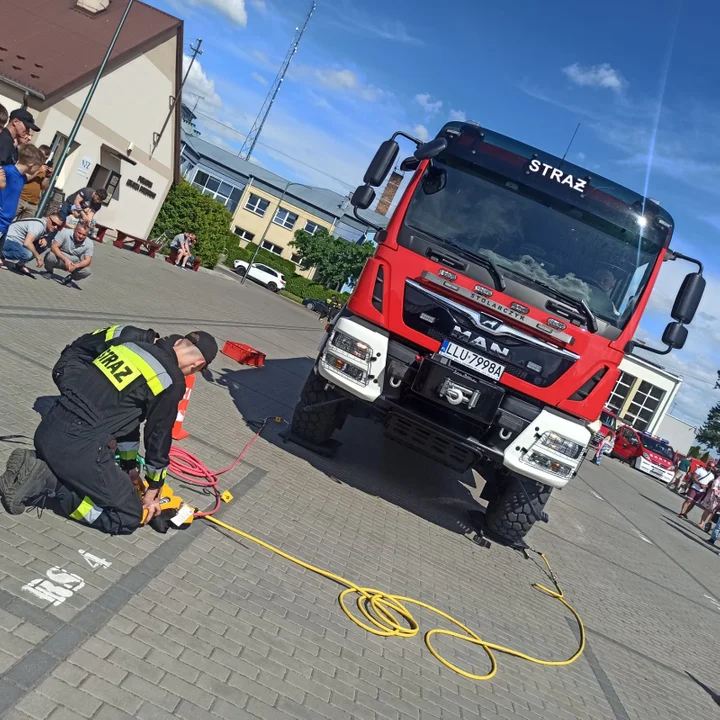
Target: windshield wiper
483,260
586,313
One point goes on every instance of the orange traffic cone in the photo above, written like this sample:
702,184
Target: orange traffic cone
178,433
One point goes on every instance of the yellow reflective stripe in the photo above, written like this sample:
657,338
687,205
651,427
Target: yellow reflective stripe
86,511
98,331
111,333
127,454
157,377
153,475
118,365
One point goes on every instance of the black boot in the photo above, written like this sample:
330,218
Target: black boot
25,479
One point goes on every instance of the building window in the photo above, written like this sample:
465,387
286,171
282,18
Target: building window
311,227
244,234
285,218
296,258
644,404
223,192
256,204
271,247
620,391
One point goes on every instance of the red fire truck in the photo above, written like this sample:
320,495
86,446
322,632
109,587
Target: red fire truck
487,329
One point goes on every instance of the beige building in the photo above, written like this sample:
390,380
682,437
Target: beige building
48,66
266,207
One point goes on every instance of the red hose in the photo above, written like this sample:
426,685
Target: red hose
188,467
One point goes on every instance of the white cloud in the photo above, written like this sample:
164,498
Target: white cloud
258,78
199,87
348,17
259,5
233,10
458,115
598,76
421,132
342,80
427,103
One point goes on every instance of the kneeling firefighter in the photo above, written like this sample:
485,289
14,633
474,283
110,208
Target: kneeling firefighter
103,402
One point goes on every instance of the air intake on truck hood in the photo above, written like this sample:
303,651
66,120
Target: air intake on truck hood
524,356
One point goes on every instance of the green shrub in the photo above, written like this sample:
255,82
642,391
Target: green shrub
186,209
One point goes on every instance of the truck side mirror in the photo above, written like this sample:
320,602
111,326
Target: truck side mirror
675,335
688,298
382,163
363,197
430,149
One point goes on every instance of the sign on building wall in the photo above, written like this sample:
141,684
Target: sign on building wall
84,167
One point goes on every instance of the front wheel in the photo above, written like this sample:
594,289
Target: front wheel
240,270
517,508
310,306
317,413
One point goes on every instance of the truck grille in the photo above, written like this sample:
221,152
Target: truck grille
524,356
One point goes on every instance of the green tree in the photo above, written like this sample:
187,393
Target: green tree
186,209
337,261
705,456
709,434
694,451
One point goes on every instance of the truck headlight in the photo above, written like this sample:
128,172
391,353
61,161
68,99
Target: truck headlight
550,464
351,345
646,456
561,445
353,372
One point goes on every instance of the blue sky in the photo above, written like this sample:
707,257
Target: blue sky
640,77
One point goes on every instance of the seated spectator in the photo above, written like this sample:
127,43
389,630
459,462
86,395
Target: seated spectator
71,250
86,199
34,187
18,132
12,181
26,239
183,242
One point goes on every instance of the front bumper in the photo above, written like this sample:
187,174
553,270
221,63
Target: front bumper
663,474
415,402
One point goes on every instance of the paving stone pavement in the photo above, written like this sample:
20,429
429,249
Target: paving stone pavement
202,625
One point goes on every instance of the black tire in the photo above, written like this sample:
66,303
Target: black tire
316,424
272,286
517,508
310,306
240,270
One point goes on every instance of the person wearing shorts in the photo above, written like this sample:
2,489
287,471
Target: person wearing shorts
699,486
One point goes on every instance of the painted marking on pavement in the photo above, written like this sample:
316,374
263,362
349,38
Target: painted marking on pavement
94,561
57,587
599,497
642,537
714,602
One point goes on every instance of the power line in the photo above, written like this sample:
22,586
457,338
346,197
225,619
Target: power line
279,152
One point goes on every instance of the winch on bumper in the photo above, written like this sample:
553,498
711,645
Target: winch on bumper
429,401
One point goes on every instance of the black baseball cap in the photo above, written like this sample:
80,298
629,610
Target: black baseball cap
205,342
25,117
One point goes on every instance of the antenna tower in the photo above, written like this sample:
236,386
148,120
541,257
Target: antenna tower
252,137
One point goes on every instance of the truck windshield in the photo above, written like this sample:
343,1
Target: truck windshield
608,420
658,447
534,237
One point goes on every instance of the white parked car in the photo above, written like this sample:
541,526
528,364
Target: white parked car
271,279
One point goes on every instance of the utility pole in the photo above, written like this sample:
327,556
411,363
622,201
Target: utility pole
252,137
157,137
81,115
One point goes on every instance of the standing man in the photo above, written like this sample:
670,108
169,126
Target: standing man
26,239
681,470
34,187
20,127
698,487
72,251
100,409
85,199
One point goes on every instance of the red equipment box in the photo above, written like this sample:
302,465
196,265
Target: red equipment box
244,354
